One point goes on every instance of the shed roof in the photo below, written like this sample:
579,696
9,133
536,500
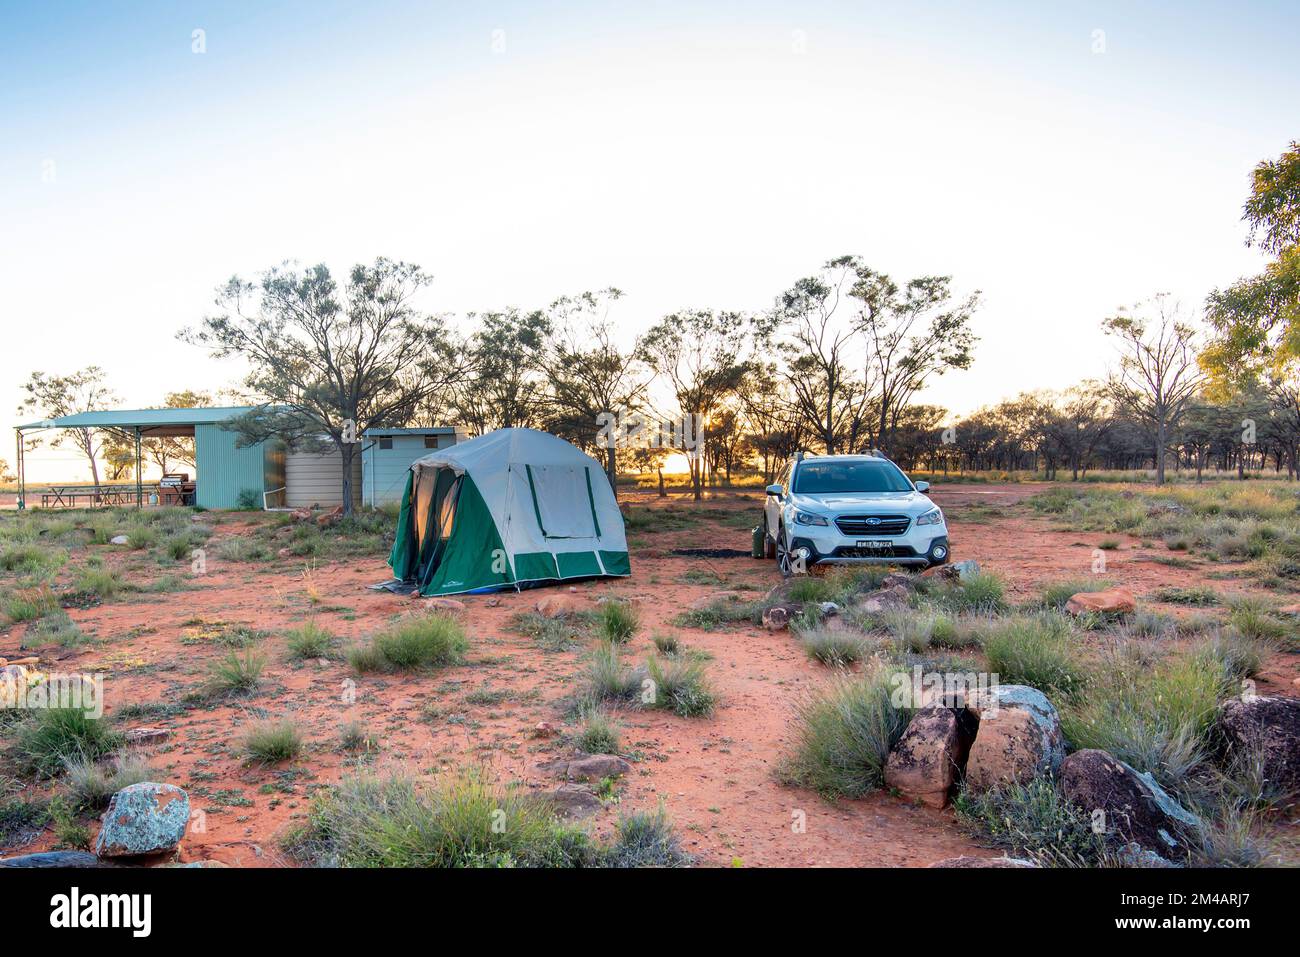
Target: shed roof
431,430
143,418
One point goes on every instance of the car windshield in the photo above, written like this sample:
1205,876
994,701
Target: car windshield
817,478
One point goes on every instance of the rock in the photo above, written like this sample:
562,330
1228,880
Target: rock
195,865
284,552
143,736
925,762
956,571
588,767
778,617
970,861
1109,601
1290,609
144,818
543,729
1019,737
119,540
1136,808
301,514
556,606
718,598
829,609
883,599
1135,855
1270,728
327,519
896,579
573,801
57,859
449,605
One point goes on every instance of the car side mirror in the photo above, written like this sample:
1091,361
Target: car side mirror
776,490
923,486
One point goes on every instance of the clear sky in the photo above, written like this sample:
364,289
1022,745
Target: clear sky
693,154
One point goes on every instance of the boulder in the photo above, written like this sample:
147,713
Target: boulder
588,767
1136,807
954,572
971,861
56,859
332,517
544,729
144,818
777,617
449,605
556,606
1268,727
573,801
883,599
146,736
925,763
1109,601
119,540
301,514
1019,737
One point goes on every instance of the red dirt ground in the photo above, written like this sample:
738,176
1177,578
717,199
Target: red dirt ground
714,776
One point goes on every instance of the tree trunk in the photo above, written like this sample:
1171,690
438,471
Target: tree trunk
1161,436
611,469
347,450
662,493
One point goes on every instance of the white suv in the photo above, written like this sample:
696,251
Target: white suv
851,509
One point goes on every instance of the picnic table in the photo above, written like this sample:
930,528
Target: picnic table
67,496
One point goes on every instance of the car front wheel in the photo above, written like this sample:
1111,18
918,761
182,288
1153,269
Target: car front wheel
783,563
769,546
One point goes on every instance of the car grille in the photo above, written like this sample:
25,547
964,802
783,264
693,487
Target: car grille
889,551
870,526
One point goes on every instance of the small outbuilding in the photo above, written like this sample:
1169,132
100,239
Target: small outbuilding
387,455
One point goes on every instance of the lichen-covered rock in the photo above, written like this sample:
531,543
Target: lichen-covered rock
777,617
1109,601
145,818
1267,728
925,762
56,859
588,767
1133,805
972,861
573,801
957,571
1019,737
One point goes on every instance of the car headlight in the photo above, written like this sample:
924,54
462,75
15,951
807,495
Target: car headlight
932,517
808,518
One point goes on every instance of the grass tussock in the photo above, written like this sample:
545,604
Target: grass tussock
1034,821
553,634
49,738
599,734
419,643
311,641
682,687
92,783
833,646
1036,650
270,742
617,621
235,673
843,736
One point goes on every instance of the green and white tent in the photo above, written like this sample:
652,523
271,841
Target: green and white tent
509,507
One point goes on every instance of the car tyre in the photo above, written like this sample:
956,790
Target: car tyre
783,555
769,544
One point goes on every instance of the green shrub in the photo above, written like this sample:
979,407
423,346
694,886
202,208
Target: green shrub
843,736
917,630
101,583
1035,650
311,641
1152,715
32,560
429,641
553,634
236,673
599,735
606,678
617,621
142,536
69,831
248,499
269,742
354,736
667,644
980,592
1032,820
681,686
50,737
833,646
20,821
369,821
91,783
1254,618
1196,595
1234,655
646,840
28,604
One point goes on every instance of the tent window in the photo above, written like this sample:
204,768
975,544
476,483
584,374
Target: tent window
561,501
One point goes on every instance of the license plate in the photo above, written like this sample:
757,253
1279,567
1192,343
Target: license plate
875,544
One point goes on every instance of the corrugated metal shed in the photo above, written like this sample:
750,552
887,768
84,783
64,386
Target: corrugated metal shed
388,454
225,471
